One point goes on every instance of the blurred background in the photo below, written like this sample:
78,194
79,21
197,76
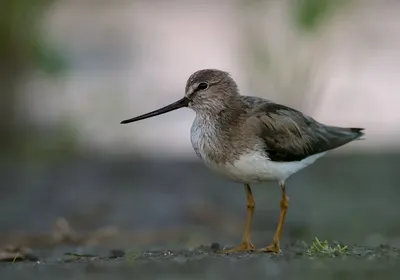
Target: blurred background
71,70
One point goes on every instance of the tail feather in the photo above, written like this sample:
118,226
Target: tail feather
359,133
340,136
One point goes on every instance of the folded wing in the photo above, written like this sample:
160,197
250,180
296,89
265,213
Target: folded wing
289,135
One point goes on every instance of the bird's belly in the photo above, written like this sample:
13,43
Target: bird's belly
255,168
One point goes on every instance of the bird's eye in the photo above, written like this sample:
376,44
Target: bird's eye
202,86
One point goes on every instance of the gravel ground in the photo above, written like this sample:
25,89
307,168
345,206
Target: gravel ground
206,263
175,205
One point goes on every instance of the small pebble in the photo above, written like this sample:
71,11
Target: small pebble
116,253
215,246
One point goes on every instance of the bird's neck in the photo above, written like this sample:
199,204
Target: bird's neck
221,111
212,132
218,125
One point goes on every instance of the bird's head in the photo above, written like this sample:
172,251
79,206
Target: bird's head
207,91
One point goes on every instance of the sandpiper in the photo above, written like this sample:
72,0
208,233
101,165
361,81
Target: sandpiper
251,140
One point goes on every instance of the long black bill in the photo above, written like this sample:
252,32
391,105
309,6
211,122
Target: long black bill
176,105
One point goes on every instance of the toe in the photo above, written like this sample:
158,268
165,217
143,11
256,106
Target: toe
244,247
273,248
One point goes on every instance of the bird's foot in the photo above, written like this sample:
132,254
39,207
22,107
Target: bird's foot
244,247
273,248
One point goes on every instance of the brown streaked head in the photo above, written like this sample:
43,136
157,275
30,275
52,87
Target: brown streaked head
210,90
206,90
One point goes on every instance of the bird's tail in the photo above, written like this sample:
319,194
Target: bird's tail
358,133
345,134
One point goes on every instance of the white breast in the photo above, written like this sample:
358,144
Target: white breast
202,133
256,168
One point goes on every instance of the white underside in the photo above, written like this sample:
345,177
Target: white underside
256,168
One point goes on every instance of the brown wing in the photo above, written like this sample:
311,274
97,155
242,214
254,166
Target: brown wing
288,135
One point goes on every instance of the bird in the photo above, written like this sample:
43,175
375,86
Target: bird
251,140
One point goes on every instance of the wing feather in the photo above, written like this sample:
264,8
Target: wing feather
289,135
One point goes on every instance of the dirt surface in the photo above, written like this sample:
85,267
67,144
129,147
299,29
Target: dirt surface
71,215
205,262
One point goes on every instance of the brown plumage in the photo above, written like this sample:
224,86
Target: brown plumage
251,139
289,135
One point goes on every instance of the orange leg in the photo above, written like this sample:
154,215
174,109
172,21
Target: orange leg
246,244
274,247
